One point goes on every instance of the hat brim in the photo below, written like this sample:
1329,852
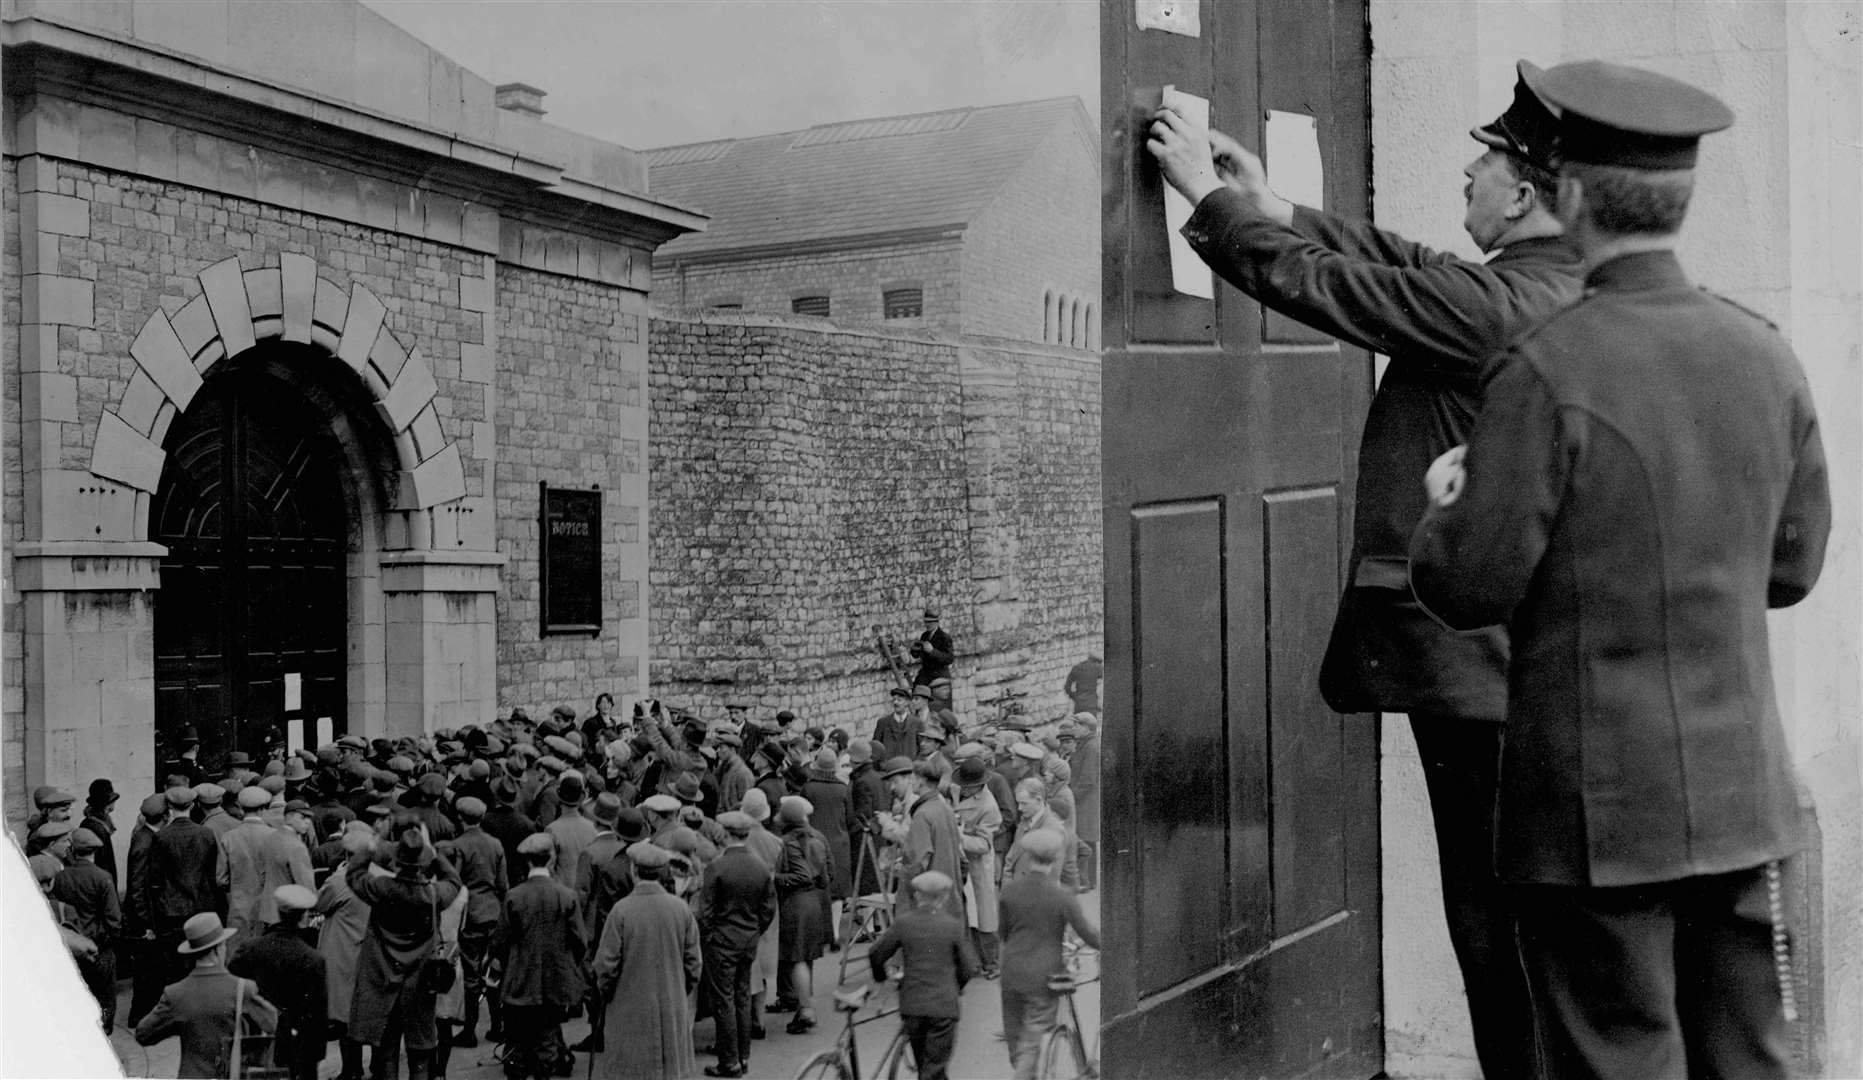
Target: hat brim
189,949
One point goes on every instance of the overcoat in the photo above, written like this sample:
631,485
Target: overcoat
1645,480
339,939
286,861
647,966
1440,319
240,864
1086,785
804,926
403,910
932,843
200,1008
736,903
978,820
833,817
545,944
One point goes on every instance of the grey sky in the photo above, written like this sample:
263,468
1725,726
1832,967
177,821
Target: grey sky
651,74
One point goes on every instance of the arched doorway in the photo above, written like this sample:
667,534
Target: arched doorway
251,620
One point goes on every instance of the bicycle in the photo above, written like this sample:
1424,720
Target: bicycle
843,1062
1064,1053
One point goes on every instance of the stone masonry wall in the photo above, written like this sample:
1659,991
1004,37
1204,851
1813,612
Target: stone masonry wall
854,281
810,484
571,377
12,506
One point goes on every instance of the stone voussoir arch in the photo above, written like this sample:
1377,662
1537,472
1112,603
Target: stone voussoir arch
236,310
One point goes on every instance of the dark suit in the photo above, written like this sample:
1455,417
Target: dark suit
736,904
200,1008
481,860
935,655
545,956
183,882
152,967
938,961
91,894
1645,480
291,975
1440,319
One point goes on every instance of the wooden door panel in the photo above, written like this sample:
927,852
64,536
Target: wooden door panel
1241,819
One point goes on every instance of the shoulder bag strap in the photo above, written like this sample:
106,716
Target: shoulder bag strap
236,1065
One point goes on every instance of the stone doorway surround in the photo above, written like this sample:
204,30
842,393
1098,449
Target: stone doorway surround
421,617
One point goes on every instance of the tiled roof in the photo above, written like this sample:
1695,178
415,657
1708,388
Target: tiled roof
932,170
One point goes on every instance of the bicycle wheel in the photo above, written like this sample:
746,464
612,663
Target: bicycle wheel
896,1066
827,1065
1062,1057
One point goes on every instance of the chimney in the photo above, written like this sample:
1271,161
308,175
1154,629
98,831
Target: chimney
520,98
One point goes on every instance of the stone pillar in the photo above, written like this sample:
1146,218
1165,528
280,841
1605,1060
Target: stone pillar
441,635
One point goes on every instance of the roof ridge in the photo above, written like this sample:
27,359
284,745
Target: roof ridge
793,133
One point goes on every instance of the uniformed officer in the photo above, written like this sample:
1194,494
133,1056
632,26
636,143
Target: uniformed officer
1645,479
1440,319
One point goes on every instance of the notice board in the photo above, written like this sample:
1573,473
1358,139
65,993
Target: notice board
571,531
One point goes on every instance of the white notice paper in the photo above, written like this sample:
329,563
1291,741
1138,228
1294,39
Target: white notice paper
1292,158
294,691
326,731
1190,275
294,735
1171,16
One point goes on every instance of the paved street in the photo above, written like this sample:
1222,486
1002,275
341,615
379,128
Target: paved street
980,1051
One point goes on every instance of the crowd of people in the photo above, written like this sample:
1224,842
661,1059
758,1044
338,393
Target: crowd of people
650,870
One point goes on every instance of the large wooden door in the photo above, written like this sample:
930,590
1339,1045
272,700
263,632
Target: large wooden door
254,585
1241,911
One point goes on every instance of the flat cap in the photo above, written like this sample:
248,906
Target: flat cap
294,898
648,855
1028,751
254,798
922,691
737,822
553,763
211,794
273,784
470,806
45,867
931,883
83,839
726,737
353,742
562,747
934,732
179,796
661,803
794,809
52,830
1615,114
536,844
153,805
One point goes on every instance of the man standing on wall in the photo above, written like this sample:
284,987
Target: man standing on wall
1440,319
934,652
1645,480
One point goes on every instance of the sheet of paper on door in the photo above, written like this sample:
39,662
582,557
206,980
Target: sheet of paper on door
1171,16
1190,275
1292,158
326,731
294,691
294,735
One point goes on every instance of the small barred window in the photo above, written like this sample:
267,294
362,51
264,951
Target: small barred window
810,305
903,303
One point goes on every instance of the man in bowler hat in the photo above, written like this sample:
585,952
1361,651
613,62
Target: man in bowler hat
1440,319
1644,481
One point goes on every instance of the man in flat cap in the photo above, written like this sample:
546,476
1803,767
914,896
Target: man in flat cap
292,976
202,1006
647,965
240,863
938,962
1036,914
736,903
544,954
1440,319
50,804
182,874
96,914
151,967
484,873
731,773
1645,480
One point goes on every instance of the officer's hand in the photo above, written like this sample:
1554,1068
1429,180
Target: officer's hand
1182,150
1446,476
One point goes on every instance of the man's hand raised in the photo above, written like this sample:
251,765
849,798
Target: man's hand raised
1182,150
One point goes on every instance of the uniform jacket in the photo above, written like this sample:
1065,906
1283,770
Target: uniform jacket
181,872
1645,480
1439,318
736,903
481,863
546,944
646,967
938,962
200,1009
